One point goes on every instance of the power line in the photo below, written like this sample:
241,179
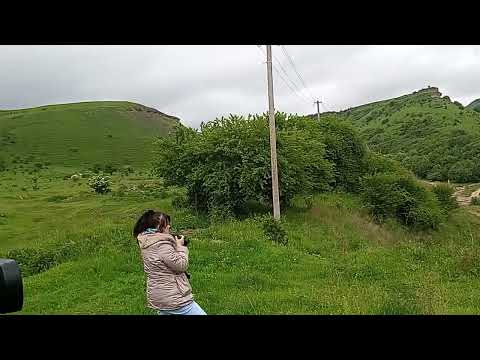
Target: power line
290,59
288,77
282,78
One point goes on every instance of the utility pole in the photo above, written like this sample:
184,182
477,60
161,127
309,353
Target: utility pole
318,109
273,137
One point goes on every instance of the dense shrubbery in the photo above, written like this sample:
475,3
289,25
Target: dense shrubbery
227,163
475,201
226,166
380,164
403,198
346,151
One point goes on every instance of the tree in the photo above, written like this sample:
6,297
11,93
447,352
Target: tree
226,164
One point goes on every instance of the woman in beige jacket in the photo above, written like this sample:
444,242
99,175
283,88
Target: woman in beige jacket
165,261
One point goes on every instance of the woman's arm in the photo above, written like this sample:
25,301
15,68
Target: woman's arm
175,259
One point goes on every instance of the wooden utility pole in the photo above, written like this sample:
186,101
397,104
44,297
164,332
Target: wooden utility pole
273,137
318,109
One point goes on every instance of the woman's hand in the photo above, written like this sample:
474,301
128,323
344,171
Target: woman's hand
179,240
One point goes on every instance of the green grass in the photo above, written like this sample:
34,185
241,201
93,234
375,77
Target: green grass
80,134
337,260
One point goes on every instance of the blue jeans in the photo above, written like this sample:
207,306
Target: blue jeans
191,309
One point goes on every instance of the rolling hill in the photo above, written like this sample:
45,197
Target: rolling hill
80,134
475,105
436,138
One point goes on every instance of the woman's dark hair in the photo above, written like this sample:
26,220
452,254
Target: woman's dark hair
151,219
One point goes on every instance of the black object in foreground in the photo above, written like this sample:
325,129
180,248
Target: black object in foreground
11,287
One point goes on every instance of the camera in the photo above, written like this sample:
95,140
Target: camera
185,241
11,287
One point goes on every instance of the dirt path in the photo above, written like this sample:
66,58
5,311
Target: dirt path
464,200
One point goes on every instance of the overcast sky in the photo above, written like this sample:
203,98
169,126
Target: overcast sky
198,83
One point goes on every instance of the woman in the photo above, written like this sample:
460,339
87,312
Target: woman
165,261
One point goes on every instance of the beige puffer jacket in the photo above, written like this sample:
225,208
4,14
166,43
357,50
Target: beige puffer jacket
165,265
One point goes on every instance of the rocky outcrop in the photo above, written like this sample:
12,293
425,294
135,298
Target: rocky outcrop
431,90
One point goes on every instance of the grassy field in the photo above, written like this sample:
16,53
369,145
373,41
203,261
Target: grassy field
337,260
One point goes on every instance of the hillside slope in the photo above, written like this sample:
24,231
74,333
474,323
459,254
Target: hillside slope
475,105
428,133
80,134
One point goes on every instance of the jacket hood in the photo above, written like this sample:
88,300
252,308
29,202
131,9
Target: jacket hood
146,240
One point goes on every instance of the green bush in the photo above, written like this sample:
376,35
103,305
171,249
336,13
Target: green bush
380,164
444,194
227,163
100,184
346,151
274,230
475,201
401,197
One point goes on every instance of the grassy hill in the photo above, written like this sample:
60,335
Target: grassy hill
475,105
79,135
428,133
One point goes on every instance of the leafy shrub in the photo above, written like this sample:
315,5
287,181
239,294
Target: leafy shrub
346,151
227,163
475,201
180,201
444,194
380,164
220,213
463,171
274,230
100,184
401,197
